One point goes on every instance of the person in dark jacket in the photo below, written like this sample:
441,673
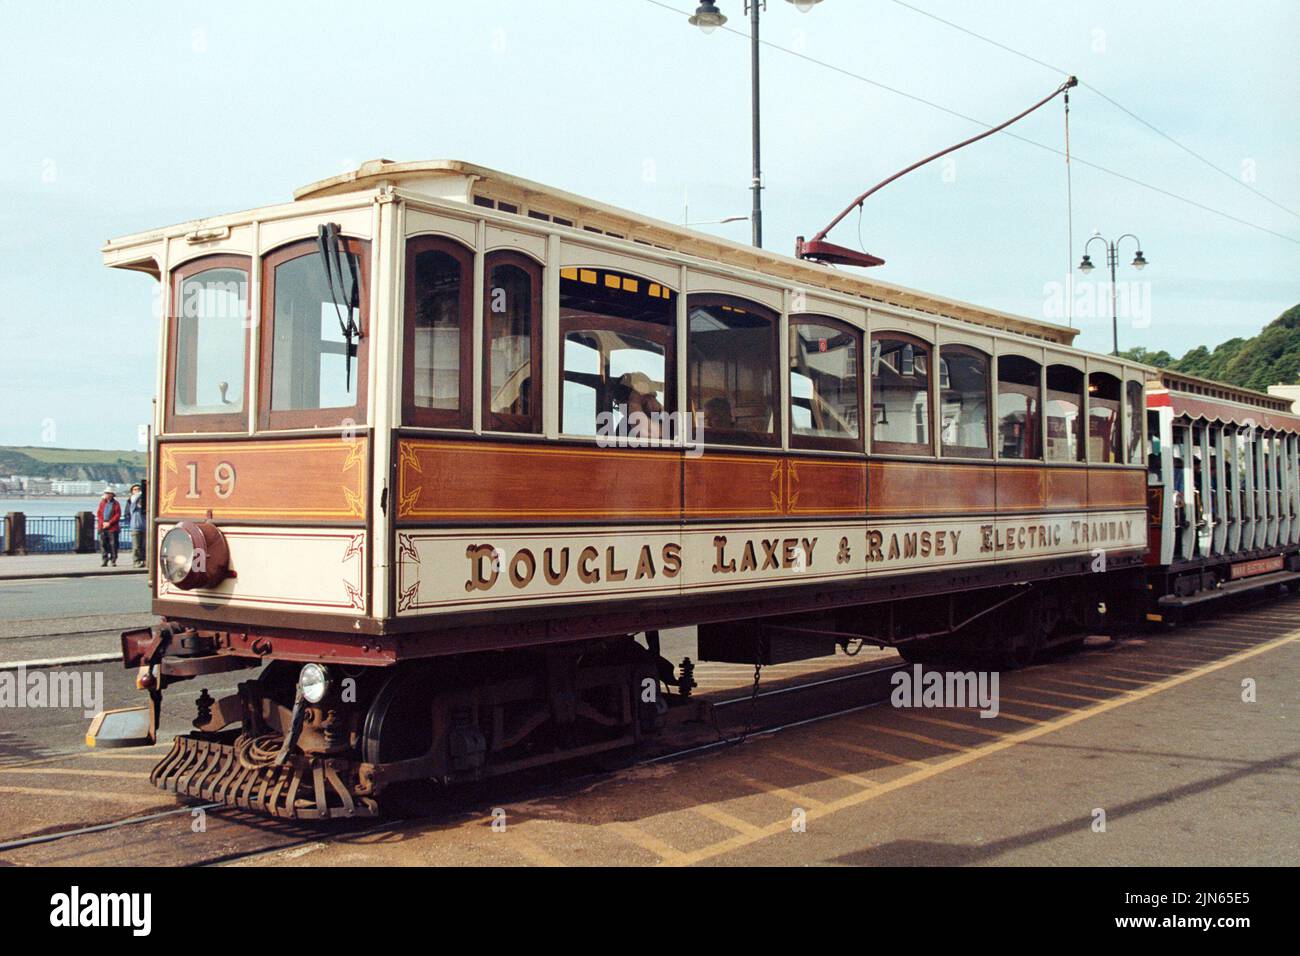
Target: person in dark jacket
108,519
134,517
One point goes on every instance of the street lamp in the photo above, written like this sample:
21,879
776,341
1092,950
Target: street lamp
708,18
1112,259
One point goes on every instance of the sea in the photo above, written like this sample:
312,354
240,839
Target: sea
50,505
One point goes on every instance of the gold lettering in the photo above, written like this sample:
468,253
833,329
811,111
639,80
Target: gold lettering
611,574
525,557
553,576
645,565
477,554
585,573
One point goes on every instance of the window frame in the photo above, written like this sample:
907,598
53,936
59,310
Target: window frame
210,421
743,439
1136,441
826,442
271,420
968,451
664,334
508,421
906,449
1080,418
461,417
1120,448
1019,389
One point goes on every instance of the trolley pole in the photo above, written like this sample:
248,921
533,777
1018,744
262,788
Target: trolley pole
756,216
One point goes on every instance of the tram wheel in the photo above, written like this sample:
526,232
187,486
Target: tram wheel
399,726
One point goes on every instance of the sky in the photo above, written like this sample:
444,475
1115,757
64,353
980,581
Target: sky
129,116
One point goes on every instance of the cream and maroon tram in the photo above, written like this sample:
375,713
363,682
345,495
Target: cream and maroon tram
441,450
1224,484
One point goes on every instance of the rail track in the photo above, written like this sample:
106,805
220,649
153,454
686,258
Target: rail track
233,836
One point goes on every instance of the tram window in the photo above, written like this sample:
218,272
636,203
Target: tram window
439,306
616,353
209,335
964,402
1064,403
1135,398
512,351
731,369
1019,407
900,395
1103,418
312,365
1154,472
825,384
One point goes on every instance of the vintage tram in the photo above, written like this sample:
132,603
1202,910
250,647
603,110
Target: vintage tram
441,450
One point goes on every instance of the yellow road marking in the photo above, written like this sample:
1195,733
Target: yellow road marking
101,755
872,752
1103,675
1060,693
646,841
42,771
791,796
919,738
829,772
931,770
718,815
529,850
1149,675
1075,683
956,725
81,794
1004,699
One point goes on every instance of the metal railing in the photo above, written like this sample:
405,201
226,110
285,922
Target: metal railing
57,534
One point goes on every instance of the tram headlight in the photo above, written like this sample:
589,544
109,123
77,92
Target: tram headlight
314,681
194,554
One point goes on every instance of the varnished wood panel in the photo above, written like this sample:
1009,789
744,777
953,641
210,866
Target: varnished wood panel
928,487
734,486
314,479
1021,487
820,487
1109,488
1065,489
463,481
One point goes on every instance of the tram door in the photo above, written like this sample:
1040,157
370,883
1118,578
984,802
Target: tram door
1200,492
1182,454
1231,489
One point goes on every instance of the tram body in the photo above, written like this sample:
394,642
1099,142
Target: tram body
1224,480
433,443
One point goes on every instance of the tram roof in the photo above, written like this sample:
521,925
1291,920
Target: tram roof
447,179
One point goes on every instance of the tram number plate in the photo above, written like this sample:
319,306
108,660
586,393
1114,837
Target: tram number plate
1248,569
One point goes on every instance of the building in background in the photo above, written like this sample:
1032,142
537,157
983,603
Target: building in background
1291,392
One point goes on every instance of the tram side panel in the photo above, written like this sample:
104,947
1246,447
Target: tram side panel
294,515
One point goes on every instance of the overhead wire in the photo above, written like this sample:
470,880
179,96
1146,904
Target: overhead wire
1016,136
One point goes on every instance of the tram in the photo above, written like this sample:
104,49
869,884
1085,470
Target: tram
439,451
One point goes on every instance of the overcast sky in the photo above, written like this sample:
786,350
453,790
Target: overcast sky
127,116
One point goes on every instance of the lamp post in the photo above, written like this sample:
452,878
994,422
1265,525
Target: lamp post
708,18
1112,258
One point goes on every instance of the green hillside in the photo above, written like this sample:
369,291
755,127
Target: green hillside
73,464
1270,358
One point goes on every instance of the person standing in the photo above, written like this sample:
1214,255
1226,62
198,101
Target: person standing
108,519
134,517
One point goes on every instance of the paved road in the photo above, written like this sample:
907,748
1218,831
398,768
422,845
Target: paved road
1153,731
67,617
